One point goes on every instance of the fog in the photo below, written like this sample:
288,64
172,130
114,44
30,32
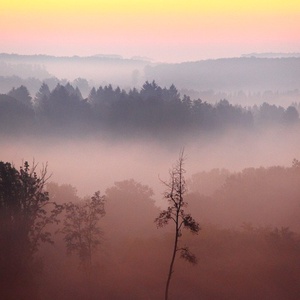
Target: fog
96,69
247,80
62,239
95,163
243,248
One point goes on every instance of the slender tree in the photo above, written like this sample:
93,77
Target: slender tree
176,188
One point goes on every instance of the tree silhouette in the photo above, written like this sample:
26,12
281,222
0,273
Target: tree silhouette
130,203
176,188
15,116
152,110
81,230
21,94
25,212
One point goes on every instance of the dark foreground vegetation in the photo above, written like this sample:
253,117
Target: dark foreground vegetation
55,245
150,111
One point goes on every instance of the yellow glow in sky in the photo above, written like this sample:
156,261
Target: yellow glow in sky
197,28
163,6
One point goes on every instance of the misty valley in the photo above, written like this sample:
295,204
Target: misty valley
145,189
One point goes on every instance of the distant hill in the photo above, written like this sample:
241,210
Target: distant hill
271,55
44,58
253,78
99,69
230,74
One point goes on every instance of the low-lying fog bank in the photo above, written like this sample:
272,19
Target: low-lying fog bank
91,164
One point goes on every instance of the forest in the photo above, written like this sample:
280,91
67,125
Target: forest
58,245
151,111
89,210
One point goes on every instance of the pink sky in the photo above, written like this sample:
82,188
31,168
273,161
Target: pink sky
178,34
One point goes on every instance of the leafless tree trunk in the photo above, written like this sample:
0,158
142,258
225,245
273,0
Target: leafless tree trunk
176,188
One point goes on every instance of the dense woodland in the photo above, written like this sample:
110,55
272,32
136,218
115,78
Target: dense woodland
55,245
152,110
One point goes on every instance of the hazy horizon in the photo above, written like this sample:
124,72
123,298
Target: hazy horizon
168,31
119,56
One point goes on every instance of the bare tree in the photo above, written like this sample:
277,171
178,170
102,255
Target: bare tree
176,188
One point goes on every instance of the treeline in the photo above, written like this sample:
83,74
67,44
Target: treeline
279,98
241,97
33,84
107,246
151,110
262,196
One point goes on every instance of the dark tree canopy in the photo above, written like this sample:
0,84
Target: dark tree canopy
15,116
153,110
25,212
21,94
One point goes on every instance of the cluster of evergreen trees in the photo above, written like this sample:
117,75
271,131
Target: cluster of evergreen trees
151,110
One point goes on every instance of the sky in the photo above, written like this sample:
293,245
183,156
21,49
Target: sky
163,30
